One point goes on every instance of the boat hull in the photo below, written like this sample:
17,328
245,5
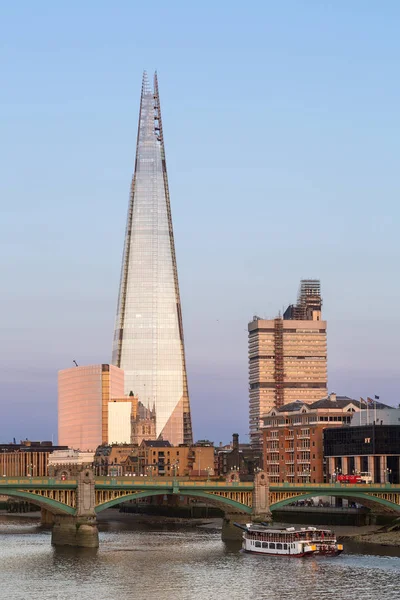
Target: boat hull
302,555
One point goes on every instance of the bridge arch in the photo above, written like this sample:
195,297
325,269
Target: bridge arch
225,504
364,498
53,506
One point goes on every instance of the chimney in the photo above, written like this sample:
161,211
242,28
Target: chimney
235,441
332,397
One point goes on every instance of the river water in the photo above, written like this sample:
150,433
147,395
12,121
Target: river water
143,563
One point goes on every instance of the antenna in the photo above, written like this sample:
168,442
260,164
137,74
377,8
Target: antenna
76,364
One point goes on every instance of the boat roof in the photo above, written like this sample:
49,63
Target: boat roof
256,527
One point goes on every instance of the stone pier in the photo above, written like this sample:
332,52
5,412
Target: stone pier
46,518
75,531
81,529
229,531
261,508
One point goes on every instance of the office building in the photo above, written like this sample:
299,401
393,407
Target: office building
372,449
27,459
287,357
293,437
148,339
84,394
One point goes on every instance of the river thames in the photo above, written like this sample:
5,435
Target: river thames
177,563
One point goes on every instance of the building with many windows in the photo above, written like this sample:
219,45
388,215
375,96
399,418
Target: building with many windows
293,437
27,459
84,394
372,449
287,357
148,338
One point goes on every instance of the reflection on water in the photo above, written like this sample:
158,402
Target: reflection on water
180,564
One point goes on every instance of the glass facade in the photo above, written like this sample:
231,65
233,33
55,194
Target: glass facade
148,339
83,397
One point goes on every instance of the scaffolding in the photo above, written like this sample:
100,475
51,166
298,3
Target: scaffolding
278,372
309,302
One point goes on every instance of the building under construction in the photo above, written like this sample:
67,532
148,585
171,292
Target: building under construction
287,356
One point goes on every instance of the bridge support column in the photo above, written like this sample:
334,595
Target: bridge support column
46,517
75,531
261,498
229,531
81,529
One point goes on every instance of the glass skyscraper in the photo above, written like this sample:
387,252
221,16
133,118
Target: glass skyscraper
148,338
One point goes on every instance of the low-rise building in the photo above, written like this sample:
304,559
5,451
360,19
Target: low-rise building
26,459
373,450
154,458
69,462
238,457
293,446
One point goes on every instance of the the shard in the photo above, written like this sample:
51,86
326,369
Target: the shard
148,338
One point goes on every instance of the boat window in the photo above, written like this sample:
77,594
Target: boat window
285,546
258,544
265,545
279,546
272,546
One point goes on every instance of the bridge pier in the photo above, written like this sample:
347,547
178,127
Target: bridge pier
229,531
80,529
46,517
75,531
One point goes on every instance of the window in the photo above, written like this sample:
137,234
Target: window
265,544
272,546
285,546
279,546
258,544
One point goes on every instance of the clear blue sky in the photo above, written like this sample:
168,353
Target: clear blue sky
281,123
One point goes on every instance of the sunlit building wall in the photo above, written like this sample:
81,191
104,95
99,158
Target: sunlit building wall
83,397
148,339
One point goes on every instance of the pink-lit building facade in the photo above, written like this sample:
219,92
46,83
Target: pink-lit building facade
83,397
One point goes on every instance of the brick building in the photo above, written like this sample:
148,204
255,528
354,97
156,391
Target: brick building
293,437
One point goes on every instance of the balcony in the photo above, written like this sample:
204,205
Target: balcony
303,437
303,461
289,437
272,462
303,449
289,450
289,462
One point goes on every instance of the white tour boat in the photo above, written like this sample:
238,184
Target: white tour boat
306,541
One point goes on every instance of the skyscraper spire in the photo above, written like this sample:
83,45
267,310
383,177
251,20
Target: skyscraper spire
148,339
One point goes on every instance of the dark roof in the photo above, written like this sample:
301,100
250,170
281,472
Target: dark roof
292,406
339,402
156,443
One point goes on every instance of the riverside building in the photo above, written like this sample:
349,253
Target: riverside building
287,357
84,394
293,437
148,338
371,448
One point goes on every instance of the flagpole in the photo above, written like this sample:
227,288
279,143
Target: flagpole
367,413
375,411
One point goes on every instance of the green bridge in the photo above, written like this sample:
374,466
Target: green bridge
74,503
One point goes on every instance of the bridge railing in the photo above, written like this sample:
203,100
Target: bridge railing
332,486
48,481
168,482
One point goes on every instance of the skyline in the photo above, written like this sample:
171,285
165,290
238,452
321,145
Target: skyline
306,189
